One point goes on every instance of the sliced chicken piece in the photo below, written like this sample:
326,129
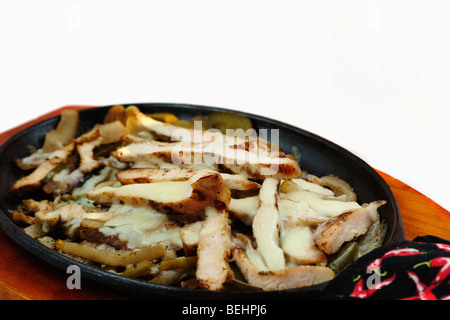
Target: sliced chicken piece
37,158
157,153
327,208
298,213
109,132
149,175
189,234
45,163
131,138
255,258
159,128
278,168
140,227
245,156
244,209
213,252
330,235
239,182
186,197
168,132
66,180
289,278
86,152
297,220
36,206
30,205
266,226
247,245
298,245
22,217
49,217
35,179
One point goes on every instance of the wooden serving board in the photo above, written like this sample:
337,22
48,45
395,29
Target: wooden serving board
24,276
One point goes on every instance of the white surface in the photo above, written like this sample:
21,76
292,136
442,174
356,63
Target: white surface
370,76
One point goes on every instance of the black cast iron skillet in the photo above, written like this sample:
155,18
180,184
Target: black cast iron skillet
318,156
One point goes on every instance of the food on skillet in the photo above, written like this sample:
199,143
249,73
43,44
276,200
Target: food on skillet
144,197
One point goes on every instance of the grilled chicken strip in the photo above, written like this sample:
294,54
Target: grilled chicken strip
49,217
298,246
36,206
45,162
189,234
66,180
251,165
244,209
213,252
54,142
139,227
86,151
37,158
246,156
289,278
324,206
34,180
331,234
266,226
186,197
298,213
149,175
298,220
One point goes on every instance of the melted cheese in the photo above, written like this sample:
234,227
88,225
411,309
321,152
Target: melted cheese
141,227
71,214
298,212
142,218
298,244
325,207
266,226
296,239
244,208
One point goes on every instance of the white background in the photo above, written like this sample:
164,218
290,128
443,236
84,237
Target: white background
372,76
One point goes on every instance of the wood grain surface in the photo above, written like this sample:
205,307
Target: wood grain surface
25,276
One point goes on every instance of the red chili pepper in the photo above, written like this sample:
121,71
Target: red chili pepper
443,246
425,292
402,252
444,272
